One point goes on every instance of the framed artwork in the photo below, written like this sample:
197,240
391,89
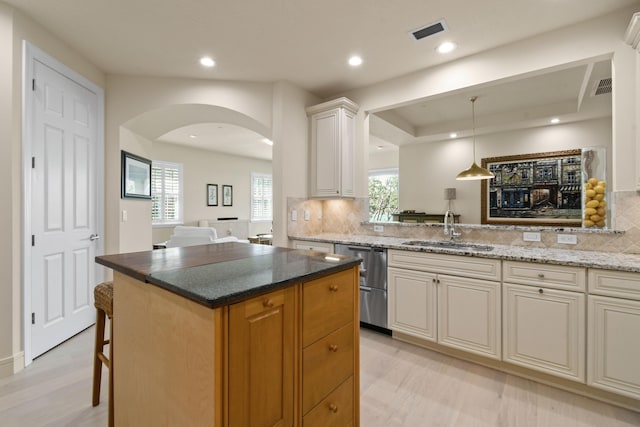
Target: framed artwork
227,195
212,194
533,189
135,176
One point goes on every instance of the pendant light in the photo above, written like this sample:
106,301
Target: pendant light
475,171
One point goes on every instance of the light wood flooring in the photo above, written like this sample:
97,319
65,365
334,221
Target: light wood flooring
402,385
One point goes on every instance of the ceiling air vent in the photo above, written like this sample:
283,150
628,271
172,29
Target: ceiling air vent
602,87
429,30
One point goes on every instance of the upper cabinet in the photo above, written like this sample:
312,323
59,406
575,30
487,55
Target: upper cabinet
333,148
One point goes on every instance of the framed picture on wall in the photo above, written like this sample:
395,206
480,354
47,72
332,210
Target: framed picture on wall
533,189
135,176
227,195
212,194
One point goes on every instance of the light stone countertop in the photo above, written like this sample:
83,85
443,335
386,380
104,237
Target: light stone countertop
590,259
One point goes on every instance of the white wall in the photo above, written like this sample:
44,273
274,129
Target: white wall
384,159
597,38
427,168
202,167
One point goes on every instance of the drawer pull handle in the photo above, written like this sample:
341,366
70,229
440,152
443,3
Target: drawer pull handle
333,407
540,290
333,288
267,303
540,276
333,347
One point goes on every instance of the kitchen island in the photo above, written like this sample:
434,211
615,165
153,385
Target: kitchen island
235,334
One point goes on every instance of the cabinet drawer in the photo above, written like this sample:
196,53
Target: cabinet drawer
313,246
457,265
325,364
336,410
622,284
545,275
327,304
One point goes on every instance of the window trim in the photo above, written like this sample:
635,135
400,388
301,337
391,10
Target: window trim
173,165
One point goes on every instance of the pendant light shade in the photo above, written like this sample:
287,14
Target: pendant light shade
474,171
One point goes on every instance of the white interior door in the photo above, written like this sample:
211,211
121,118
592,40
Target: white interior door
64,135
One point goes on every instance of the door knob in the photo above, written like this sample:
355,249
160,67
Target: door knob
94,237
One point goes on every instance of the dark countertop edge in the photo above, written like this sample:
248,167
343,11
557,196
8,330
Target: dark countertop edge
235,297
501,254
122,269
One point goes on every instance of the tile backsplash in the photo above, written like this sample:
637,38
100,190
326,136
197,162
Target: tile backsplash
351,217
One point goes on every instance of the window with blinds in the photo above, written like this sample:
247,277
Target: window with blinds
261,197
166,193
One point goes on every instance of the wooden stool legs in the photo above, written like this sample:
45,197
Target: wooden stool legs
99,358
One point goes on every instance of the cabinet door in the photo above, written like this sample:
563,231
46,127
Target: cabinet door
613,345
469,315
262,364
325,146
412,303
544,329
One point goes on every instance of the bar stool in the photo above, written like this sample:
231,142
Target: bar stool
103,296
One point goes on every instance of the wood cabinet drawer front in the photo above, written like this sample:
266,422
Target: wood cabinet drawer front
457,265
336,410
325,364
552,276
622,284
327,304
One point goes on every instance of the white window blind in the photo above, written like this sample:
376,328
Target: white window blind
166,193
261,197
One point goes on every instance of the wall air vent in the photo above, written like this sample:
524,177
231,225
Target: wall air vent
429,30
602,87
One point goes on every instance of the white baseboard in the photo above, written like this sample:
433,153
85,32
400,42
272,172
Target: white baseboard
11,365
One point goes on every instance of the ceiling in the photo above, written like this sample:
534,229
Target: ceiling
306,43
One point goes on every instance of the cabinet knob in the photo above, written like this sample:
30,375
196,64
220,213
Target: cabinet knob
540,275
540,290
267,303
333,347
333,288
333,407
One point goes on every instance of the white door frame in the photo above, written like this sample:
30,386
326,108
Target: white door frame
29,54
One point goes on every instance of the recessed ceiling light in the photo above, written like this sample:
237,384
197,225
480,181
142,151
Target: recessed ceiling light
379,147
193,136
205,61
453,135
354,61
267,141
446,47
555,120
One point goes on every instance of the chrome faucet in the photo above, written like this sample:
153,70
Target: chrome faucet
449,228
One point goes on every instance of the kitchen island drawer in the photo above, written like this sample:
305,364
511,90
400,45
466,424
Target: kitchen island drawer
327,304
325,364
545,275
336,410
621,284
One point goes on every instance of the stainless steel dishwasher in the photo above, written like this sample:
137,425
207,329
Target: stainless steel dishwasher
373,284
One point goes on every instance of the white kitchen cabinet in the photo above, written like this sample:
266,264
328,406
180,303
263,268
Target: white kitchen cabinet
412,303
469,316
333,148
544,324
313,246
455,311
613,346
544,329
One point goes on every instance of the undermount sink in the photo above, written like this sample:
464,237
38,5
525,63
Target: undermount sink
448,244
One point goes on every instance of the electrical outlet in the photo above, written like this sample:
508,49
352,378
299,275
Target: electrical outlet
306,215
530,236
124,215
569,239
294,215
319,214
378,228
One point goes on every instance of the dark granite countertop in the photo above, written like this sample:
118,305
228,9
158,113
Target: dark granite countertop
220,274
